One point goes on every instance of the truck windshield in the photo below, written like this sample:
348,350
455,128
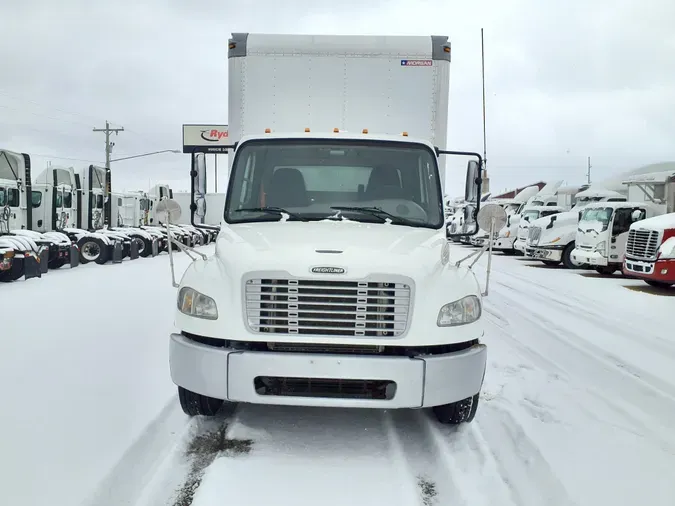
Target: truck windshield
601,215
531,215
511,209
310,177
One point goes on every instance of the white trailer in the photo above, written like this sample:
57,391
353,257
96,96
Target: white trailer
332,283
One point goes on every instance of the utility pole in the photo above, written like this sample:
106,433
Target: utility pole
588,173
108,151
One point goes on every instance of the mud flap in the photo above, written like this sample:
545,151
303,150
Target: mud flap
31,266
44,261
155,247
133,250
117,253
74,256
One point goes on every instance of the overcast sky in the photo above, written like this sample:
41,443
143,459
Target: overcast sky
563,81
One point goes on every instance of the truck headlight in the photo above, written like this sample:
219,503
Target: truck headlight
461,312
601,248
193,303
667,249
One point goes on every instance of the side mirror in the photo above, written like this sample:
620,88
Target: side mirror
473,182
637,215
491,219
168,211
198,174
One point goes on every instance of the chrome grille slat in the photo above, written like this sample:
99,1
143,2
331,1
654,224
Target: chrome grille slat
533,235
642,244
327,307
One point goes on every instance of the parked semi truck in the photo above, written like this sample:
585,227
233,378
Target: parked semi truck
603,231
333,282
20,202
507,236
650,251
551,239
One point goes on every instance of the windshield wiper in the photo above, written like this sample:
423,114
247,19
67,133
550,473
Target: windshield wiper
380,213
272,210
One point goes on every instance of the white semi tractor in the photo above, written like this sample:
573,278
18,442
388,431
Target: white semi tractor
551,239
602,238
26,250
333,281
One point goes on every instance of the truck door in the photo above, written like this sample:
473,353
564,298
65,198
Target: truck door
623,219
12,209
39,211
58,213
96,211
69,209
4,211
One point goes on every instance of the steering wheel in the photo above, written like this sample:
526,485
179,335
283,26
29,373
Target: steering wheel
403,208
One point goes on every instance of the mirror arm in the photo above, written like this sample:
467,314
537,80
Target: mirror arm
187,250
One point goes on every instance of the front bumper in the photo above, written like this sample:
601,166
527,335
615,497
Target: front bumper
519,245
504,243
588,257
661,270
539,253
229,374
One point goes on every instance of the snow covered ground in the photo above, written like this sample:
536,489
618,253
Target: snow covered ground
578,406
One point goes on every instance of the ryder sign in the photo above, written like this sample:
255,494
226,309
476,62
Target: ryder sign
205,139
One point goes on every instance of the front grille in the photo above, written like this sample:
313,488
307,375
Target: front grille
642,244
281,386
533,235
328,308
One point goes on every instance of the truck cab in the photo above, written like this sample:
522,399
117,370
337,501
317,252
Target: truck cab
650,251
513,207
529,215
650,247
602,233
59,207
552,239
92,209
602,240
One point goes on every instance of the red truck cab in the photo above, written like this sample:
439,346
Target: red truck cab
650,251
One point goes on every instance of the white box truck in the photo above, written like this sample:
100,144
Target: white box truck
333,281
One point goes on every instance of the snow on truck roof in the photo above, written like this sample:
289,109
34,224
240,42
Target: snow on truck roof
656,222
618,205
598,193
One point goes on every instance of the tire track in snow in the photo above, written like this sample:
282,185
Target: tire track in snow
423,459
519,461
534,311
592,312
648,410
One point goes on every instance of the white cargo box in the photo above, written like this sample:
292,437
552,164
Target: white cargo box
385,84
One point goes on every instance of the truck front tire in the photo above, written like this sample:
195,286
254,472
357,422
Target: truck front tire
463,411
196,404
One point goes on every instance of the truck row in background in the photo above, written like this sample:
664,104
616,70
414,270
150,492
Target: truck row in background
630,231
61,218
